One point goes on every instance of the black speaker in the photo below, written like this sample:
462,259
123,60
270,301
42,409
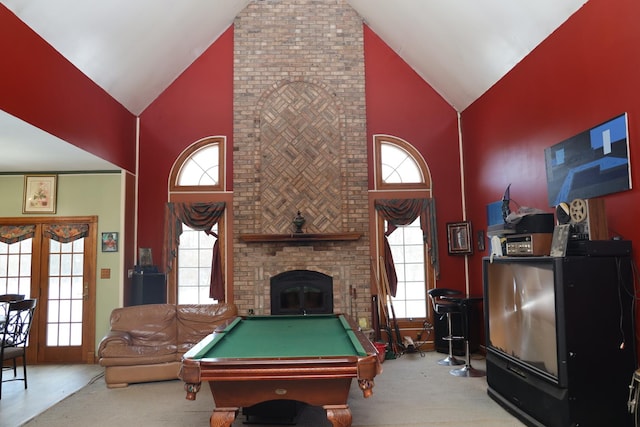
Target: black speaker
148,288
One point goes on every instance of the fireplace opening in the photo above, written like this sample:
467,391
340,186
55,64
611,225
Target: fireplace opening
301,292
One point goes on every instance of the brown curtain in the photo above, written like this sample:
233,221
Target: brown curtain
202,217
65,233
15,233
403,212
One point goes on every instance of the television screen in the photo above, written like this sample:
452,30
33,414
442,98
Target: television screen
521,313
590,164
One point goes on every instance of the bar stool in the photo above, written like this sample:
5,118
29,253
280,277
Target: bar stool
443,307
467,370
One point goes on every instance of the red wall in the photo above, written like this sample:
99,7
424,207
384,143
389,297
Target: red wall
400,103
199,103
586,72
39,86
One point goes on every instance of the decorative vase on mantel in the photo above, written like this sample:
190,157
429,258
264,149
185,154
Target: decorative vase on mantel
298,222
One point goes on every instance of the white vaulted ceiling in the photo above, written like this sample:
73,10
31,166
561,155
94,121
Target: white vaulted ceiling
134,49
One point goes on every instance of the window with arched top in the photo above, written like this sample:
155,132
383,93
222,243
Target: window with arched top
197,180
403,185
200,167
399,165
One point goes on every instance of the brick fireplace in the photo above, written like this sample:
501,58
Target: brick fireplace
300,145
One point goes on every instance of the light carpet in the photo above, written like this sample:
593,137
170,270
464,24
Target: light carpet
412,391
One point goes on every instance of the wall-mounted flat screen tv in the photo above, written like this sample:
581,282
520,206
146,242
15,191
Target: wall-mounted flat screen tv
590,164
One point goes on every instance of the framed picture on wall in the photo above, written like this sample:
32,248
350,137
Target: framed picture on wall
459,238
40,194
110,241
145,256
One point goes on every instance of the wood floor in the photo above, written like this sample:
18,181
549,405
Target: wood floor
47,385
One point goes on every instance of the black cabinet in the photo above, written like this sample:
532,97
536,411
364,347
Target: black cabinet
148,287
440,328
560,338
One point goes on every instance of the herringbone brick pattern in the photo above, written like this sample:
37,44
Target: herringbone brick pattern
300,170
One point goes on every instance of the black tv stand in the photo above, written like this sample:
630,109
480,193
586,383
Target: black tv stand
514,410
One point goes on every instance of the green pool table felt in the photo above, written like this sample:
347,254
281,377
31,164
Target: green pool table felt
284,336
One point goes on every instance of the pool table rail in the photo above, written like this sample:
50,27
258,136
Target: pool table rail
364,369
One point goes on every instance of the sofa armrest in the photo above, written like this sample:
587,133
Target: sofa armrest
120,338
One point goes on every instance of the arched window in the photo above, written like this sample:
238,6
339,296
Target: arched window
399,165
200,167
403,181
197,180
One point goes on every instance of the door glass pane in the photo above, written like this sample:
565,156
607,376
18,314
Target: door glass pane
65,302
15,268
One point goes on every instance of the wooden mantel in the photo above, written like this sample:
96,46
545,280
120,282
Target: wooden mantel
299,237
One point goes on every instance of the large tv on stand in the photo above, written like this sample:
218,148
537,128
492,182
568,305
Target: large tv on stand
560,341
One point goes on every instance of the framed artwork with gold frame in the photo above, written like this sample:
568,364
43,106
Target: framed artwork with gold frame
40,194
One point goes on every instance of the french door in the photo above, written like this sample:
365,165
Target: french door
57,267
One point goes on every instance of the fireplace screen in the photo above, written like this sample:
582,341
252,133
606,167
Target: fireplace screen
301,292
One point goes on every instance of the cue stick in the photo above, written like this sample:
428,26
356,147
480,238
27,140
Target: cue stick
352,295
385,281
375,317
382,307
355,304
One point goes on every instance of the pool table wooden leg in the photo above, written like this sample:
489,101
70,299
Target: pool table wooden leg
339,415
223,417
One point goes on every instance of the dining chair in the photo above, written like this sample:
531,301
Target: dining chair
14,338
5,299
11,297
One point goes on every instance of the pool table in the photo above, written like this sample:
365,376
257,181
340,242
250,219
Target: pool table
310,359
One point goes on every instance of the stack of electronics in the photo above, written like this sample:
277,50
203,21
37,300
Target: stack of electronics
582,230
532,237
578,229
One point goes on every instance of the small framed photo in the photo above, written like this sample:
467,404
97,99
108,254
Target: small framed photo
459,238
40,194
110,241
145,256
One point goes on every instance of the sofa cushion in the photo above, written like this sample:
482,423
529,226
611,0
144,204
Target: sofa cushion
119,356
151,325
196,321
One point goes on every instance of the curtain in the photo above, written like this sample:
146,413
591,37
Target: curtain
403,212
15,233
201,217
65,233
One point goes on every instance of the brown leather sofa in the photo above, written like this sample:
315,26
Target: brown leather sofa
146,342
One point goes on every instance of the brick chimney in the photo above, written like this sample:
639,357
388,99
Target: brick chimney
300,145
